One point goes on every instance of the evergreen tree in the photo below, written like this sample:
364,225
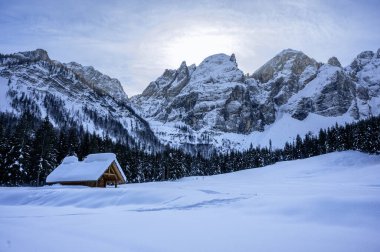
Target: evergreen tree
322,142
44,154
18,151
62,145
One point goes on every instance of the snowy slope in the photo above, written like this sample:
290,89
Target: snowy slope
216,105
325,203
71,95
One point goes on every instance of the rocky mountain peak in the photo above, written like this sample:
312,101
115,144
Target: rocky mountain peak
92,77
217,68
366,55
73,65
24,57
36,55
170,83
183,64
233,58
287,62
288,52
333,61
362,60
219,60
96,79
182,72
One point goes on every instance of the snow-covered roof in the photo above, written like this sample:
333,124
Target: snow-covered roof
90,169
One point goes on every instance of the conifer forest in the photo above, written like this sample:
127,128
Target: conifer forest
31,148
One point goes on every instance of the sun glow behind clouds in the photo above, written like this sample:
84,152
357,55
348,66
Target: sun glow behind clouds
136,40
198,43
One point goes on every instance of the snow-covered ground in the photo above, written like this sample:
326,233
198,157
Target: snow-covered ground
325,203
168,133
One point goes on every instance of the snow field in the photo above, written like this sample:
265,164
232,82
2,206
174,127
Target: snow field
325,203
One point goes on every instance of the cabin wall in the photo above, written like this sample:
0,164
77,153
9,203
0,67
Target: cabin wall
84,183
101,183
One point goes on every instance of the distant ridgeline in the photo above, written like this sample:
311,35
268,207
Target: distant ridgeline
30,148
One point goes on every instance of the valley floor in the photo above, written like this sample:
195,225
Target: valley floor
325,203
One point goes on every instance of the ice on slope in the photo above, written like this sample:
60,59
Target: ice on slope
325,203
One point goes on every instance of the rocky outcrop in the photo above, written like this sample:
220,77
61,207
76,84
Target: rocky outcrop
336,96
287,62
365,72
36,55
96,79
304,106
286,74
24,57
333,61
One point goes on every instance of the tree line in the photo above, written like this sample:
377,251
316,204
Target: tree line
30,148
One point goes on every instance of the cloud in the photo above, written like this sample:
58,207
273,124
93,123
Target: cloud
135,41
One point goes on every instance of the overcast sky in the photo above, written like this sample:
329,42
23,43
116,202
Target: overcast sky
135,41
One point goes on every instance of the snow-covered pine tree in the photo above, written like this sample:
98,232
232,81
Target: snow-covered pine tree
44,154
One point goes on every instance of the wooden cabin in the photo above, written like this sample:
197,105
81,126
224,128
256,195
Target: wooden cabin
96,170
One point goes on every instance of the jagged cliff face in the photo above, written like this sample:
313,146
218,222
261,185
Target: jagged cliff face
216,98
281,78
336,91
71,95
201,97
98,80
365,73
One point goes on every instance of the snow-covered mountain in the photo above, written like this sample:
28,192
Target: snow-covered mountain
71,95
206,107
216,104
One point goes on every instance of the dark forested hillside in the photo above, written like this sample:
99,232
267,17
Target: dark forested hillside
72,96
31,148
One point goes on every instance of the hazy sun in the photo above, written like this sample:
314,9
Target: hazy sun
197,43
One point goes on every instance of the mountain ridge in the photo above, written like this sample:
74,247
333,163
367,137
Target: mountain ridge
214,106
71,96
